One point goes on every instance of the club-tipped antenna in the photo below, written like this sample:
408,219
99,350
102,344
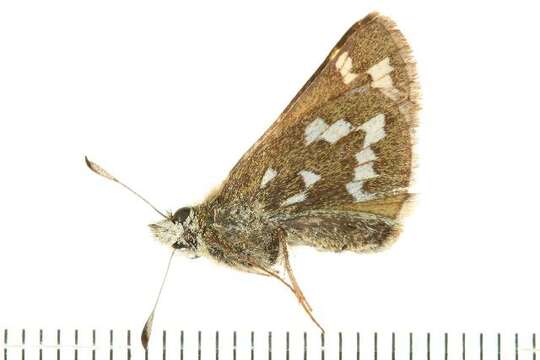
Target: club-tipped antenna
102,172
147,329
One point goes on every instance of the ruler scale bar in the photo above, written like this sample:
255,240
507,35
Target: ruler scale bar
357,346
252,347
217,345
269,345
428,341
445,346
129,345
287,345
391,346
111,339
199,347
94,344
534,346
234,345
164,345
305,345
182,345
410,346
23,340
498,346
481,346
516,346
58,343
40,344
340,345
322,346
463,355
76,352
375,346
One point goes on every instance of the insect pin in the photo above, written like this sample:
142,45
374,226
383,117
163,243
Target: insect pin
333,172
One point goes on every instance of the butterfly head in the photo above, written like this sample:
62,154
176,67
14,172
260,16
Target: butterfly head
179,230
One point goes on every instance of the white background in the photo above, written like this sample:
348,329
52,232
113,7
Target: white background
168,95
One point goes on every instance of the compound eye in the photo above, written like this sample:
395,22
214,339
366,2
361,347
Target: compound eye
181,215
179,246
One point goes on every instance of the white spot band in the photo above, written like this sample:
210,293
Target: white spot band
344,66
294,199
318,129
309,178
268,175
374,132
381,79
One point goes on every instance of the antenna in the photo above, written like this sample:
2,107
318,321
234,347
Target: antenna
102,172
147,329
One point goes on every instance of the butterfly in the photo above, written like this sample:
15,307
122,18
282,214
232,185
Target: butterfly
333,172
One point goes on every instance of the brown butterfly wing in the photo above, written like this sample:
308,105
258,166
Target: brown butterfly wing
342,149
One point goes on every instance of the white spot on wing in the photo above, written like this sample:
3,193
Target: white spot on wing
381,79
341,60
374,129
268,175
319,129
391,92
364,171
336,131
309,177
344,66
366,155
314,130
294,199
355,188
349,78
380,69
383,83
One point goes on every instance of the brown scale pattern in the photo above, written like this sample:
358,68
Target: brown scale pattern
283,148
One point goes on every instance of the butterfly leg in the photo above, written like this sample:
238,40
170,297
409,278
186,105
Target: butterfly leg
262,270
296,288
261,273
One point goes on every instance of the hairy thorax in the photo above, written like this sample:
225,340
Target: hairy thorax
233,235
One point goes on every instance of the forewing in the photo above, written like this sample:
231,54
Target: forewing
344,142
